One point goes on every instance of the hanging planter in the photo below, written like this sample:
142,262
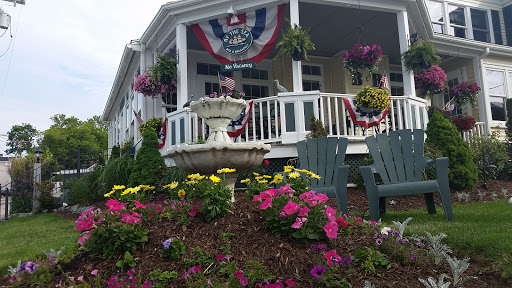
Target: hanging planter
361,58
295,42
430,81
420,57
464,123
159,78
465,93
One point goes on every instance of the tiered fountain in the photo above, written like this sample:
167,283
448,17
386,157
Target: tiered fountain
219,151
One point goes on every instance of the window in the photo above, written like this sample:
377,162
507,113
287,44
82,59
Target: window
446,95
396,83
255,74
497,96
255,90
463,21
211,69
209,88
312,77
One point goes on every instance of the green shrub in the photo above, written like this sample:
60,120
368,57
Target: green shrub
173,174
442,135
45,199
116,172
316,128
153,124
149,164
495,153
115,153
85,189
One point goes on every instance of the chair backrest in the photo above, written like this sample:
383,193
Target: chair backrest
322,156
398,157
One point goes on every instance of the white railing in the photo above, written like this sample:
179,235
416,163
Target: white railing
285,119
478,130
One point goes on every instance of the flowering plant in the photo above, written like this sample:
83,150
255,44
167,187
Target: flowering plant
377,99
159,79
172,249
431,80
362,57
233,94
290,210
465,92
463,123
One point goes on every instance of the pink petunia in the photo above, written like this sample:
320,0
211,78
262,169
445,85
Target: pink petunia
332,256
192,213
267,203
127,218
331,230
341,222
220,257
291,207
238,274
331,213
83,238
298,222
286,189
138,204
290,283
94,272
303,211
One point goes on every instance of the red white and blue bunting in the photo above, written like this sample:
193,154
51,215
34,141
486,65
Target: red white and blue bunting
262,23
362,116
236,127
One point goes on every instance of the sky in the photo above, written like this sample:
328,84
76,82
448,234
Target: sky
63,57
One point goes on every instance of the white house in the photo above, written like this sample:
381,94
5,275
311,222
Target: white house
473,37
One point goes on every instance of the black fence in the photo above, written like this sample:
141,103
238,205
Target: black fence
18,196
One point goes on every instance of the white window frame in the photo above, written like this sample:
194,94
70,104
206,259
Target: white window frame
507,74
320,78
447,26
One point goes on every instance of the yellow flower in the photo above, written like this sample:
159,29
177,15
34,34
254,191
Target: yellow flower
174,184
315,176
128,190
135,190
262,181
278,178
294,175
191,182
245,180
143,186
255,174
195,177
258,178
288,169
214,179
225,170
267,176
109,193
118,187
181,193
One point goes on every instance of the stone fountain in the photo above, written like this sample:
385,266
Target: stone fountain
219,151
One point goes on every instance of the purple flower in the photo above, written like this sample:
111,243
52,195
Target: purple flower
346,260
378,241
318,271
209,282
282,215
413,257
418,244
319,247
405,240
29,266
167,243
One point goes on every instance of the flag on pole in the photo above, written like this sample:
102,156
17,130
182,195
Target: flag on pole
450,105
138,117
227,82
384,81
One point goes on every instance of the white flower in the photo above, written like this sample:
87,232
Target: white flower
385,230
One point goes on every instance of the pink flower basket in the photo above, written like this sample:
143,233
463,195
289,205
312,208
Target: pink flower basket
430,81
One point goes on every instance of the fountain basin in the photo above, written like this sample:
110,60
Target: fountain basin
208,158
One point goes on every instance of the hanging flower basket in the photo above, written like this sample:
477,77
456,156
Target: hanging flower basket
464,93
430,81
464,123
376,99
159,79
362,58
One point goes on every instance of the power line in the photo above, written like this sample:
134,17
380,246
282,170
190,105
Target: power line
12,52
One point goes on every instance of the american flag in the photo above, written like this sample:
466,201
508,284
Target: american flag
138,117
450,105
384,81
227,82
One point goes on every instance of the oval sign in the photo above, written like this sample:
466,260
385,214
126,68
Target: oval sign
237,41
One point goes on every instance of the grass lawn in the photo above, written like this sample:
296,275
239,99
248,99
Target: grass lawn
485,228
25,238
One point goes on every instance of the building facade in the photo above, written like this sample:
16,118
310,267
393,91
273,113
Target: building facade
473,37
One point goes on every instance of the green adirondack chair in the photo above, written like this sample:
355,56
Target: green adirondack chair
398,159
324,156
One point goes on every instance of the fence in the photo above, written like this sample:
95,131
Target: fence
18,196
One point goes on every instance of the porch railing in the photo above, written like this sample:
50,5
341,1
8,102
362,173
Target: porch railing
285,119
478,130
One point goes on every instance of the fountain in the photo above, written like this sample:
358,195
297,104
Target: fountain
219,151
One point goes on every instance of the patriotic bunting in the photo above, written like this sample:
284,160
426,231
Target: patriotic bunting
236,127
362,116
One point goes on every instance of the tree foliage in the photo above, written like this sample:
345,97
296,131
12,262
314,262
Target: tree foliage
149,164
21,138
444,136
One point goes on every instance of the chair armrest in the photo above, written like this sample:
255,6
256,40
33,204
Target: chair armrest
441,166
368,176
429,162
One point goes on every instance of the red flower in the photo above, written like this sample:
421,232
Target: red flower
266,163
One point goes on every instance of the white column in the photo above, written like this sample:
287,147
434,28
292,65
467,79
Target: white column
296,65
181,46
484,104
403,39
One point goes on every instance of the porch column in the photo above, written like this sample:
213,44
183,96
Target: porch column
296,65
181,47
484,103
403,39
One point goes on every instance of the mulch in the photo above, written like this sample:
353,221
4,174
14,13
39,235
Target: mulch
284,257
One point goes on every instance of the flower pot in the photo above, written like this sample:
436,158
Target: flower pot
298,55
218,113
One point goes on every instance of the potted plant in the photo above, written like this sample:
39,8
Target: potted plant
159,78
420,57
233,94
374,99
464,93
362,57
430,81
463,123
295,42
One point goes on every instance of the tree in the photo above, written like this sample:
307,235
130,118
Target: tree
21,139
149,164
66,133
